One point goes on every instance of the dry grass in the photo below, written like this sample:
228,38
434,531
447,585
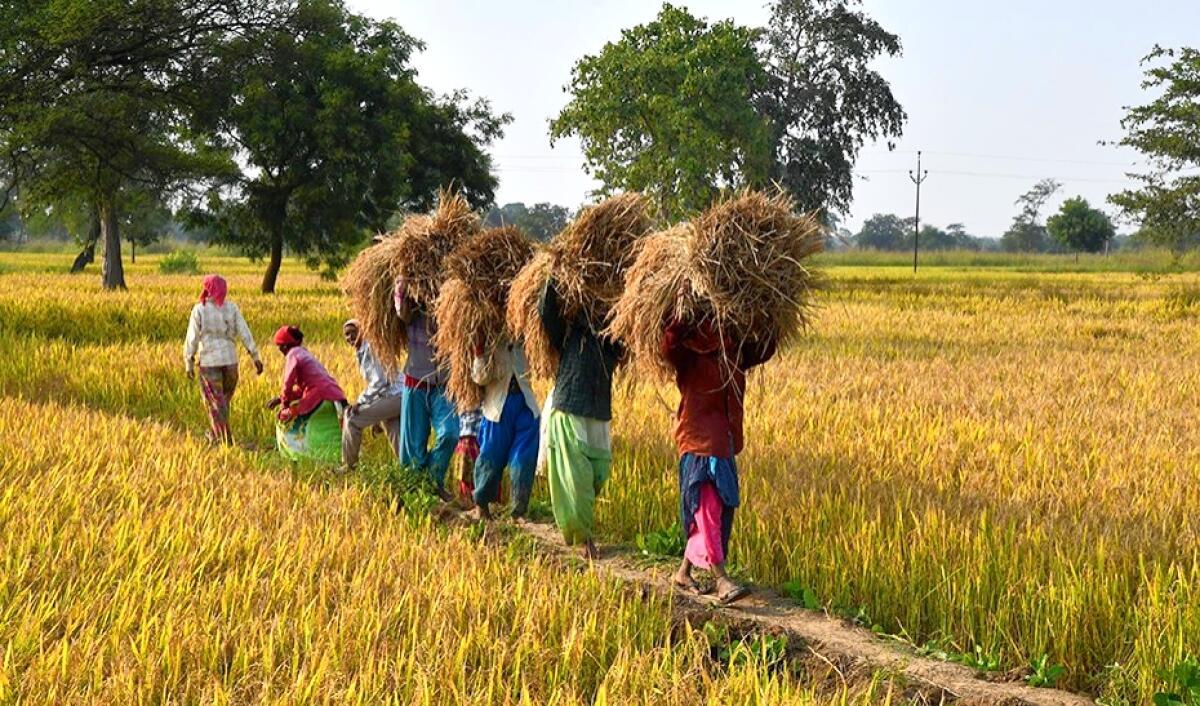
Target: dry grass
589,258
741,267
415,252
525,322
471,307
369,285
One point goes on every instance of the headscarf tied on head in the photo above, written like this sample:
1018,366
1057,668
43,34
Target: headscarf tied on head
215,288
286,336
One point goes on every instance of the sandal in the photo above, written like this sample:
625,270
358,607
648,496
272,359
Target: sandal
733,595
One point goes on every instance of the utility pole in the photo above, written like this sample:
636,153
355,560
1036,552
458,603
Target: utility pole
918,178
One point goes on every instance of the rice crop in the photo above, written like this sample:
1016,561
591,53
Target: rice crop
989,459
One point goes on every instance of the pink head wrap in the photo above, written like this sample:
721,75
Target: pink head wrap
214,289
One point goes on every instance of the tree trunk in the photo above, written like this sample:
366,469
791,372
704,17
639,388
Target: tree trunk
110,228
88,255
133,252
276,261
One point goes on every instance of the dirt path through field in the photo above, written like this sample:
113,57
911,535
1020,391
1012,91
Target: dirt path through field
846,648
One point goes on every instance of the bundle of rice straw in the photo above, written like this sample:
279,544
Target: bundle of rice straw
587,260
524,321
369,283
738,266
590,256
470,309
415,251
422,243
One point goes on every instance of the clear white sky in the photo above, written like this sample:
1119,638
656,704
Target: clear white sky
999,94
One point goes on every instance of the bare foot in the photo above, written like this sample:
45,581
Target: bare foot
589,551
481,513
684,581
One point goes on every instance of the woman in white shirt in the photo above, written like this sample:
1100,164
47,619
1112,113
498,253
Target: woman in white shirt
213,331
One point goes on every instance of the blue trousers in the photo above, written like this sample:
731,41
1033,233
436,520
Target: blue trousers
423,410
513,443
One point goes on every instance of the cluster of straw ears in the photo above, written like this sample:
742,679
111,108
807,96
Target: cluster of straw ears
739,266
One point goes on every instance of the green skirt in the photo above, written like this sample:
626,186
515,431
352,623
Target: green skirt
316,436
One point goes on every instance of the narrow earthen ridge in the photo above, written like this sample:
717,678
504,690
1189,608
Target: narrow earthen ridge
829,639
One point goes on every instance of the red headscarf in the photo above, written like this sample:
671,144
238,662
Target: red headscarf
284,337
214,289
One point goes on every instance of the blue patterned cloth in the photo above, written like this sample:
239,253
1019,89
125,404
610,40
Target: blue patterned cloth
694,472
468,423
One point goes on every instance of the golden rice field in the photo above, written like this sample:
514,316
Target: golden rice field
994,461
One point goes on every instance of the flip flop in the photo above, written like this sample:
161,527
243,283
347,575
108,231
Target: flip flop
733,595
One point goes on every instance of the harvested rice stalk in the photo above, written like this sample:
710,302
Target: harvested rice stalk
739,267
423,242
369,285
591,255
470,309
524,320
657,290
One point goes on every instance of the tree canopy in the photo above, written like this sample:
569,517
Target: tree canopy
541,221
884,231
823,100
1027,232
336,135
669,110
1079,227
1165,130
99,101
681,109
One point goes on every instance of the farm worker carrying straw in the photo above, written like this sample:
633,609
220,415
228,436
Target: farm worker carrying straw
704,302
379,402
710,371
579,443
425,406
310,404
508,434
214,328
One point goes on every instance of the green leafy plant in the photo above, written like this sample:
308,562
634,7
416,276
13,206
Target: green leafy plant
664,543
1183,685
1044,673
180,262
802,594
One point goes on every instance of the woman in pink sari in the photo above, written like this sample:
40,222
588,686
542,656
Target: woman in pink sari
214,328
310,405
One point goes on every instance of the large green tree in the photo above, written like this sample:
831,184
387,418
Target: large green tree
99,101
337,136
1079,227
1027,232
668,109
884,231
823,99
541,221
1167,131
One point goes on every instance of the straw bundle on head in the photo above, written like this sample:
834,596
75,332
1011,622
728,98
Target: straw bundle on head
591,255
369,283
657,290
470,308
524,321
423,242
739,266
